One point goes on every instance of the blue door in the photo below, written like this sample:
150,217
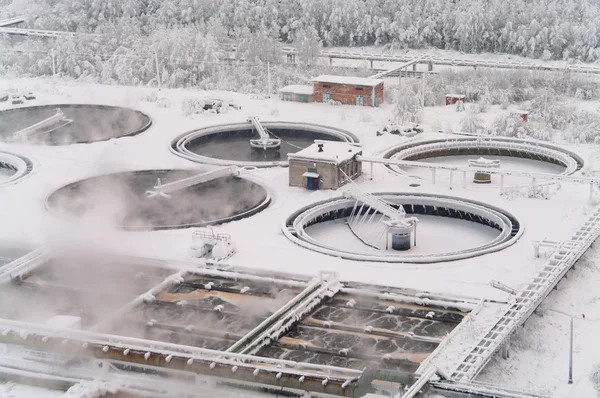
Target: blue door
303,98
312,183
360,101
326,97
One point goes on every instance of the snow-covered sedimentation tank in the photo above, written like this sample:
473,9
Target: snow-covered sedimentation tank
476,228
161,199
64,124
240,144
512,153
13,167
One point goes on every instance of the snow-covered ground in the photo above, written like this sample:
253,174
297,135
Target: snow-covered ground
13,390
539,356
259,241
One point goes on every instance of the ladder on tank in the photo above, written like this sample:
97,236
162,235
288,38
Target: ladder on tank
46,126
165,190
265,141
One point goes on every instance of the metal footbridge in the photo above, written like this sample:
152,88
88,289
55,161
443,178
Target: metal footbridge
166,189
46,126
528,298
23,265
447,61
5,23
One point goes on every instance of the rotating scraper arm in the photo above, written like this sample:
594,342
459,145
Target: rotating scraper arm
45,126
262,132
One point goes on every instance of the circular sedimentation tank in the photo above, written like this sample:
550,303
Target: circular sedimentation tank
122,200
229,144
13,167
64,124
449,228
513,154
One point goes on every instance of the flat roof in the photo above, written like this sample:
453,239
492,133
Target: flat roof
297,89
333,152
349,80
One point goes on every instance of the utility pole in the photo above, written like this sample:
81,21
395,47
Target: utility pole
571,354
269,78
423,90
157,68
53,63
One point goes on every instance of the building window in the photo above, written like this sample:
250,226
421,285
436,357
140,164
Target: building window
358,88
326,86
326,97
312,170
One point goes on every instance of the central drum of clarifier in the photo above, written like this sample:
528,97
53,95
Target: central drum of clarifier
122,200
495,229
230,144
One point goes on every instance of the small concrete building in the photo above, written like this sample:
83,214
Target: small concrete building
348,90
325,165
296,93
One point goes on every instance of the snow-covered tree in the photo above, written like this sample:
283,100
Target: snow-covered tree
472,122
307,44
407,107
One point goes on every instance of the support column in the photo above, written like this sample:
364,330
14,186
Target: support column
53,63
451,176
371,63
415,235
464,180
433,176
591,200
414,67
430,66
330,61
501,183
571,354
506,349
371,173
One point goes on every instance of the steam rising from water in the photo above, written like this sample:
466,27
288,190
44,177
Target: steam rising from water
120,199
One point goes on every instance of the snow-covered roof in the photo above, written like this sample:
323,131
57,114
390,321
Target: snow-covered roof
333,152
297,89
311,175
455,95
349,80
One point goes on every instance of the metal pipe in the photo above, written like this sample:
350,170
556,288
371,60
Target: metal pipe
249,337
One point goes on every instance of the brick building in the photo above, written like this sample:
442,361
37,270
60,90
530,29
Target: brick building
348,90
324,165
